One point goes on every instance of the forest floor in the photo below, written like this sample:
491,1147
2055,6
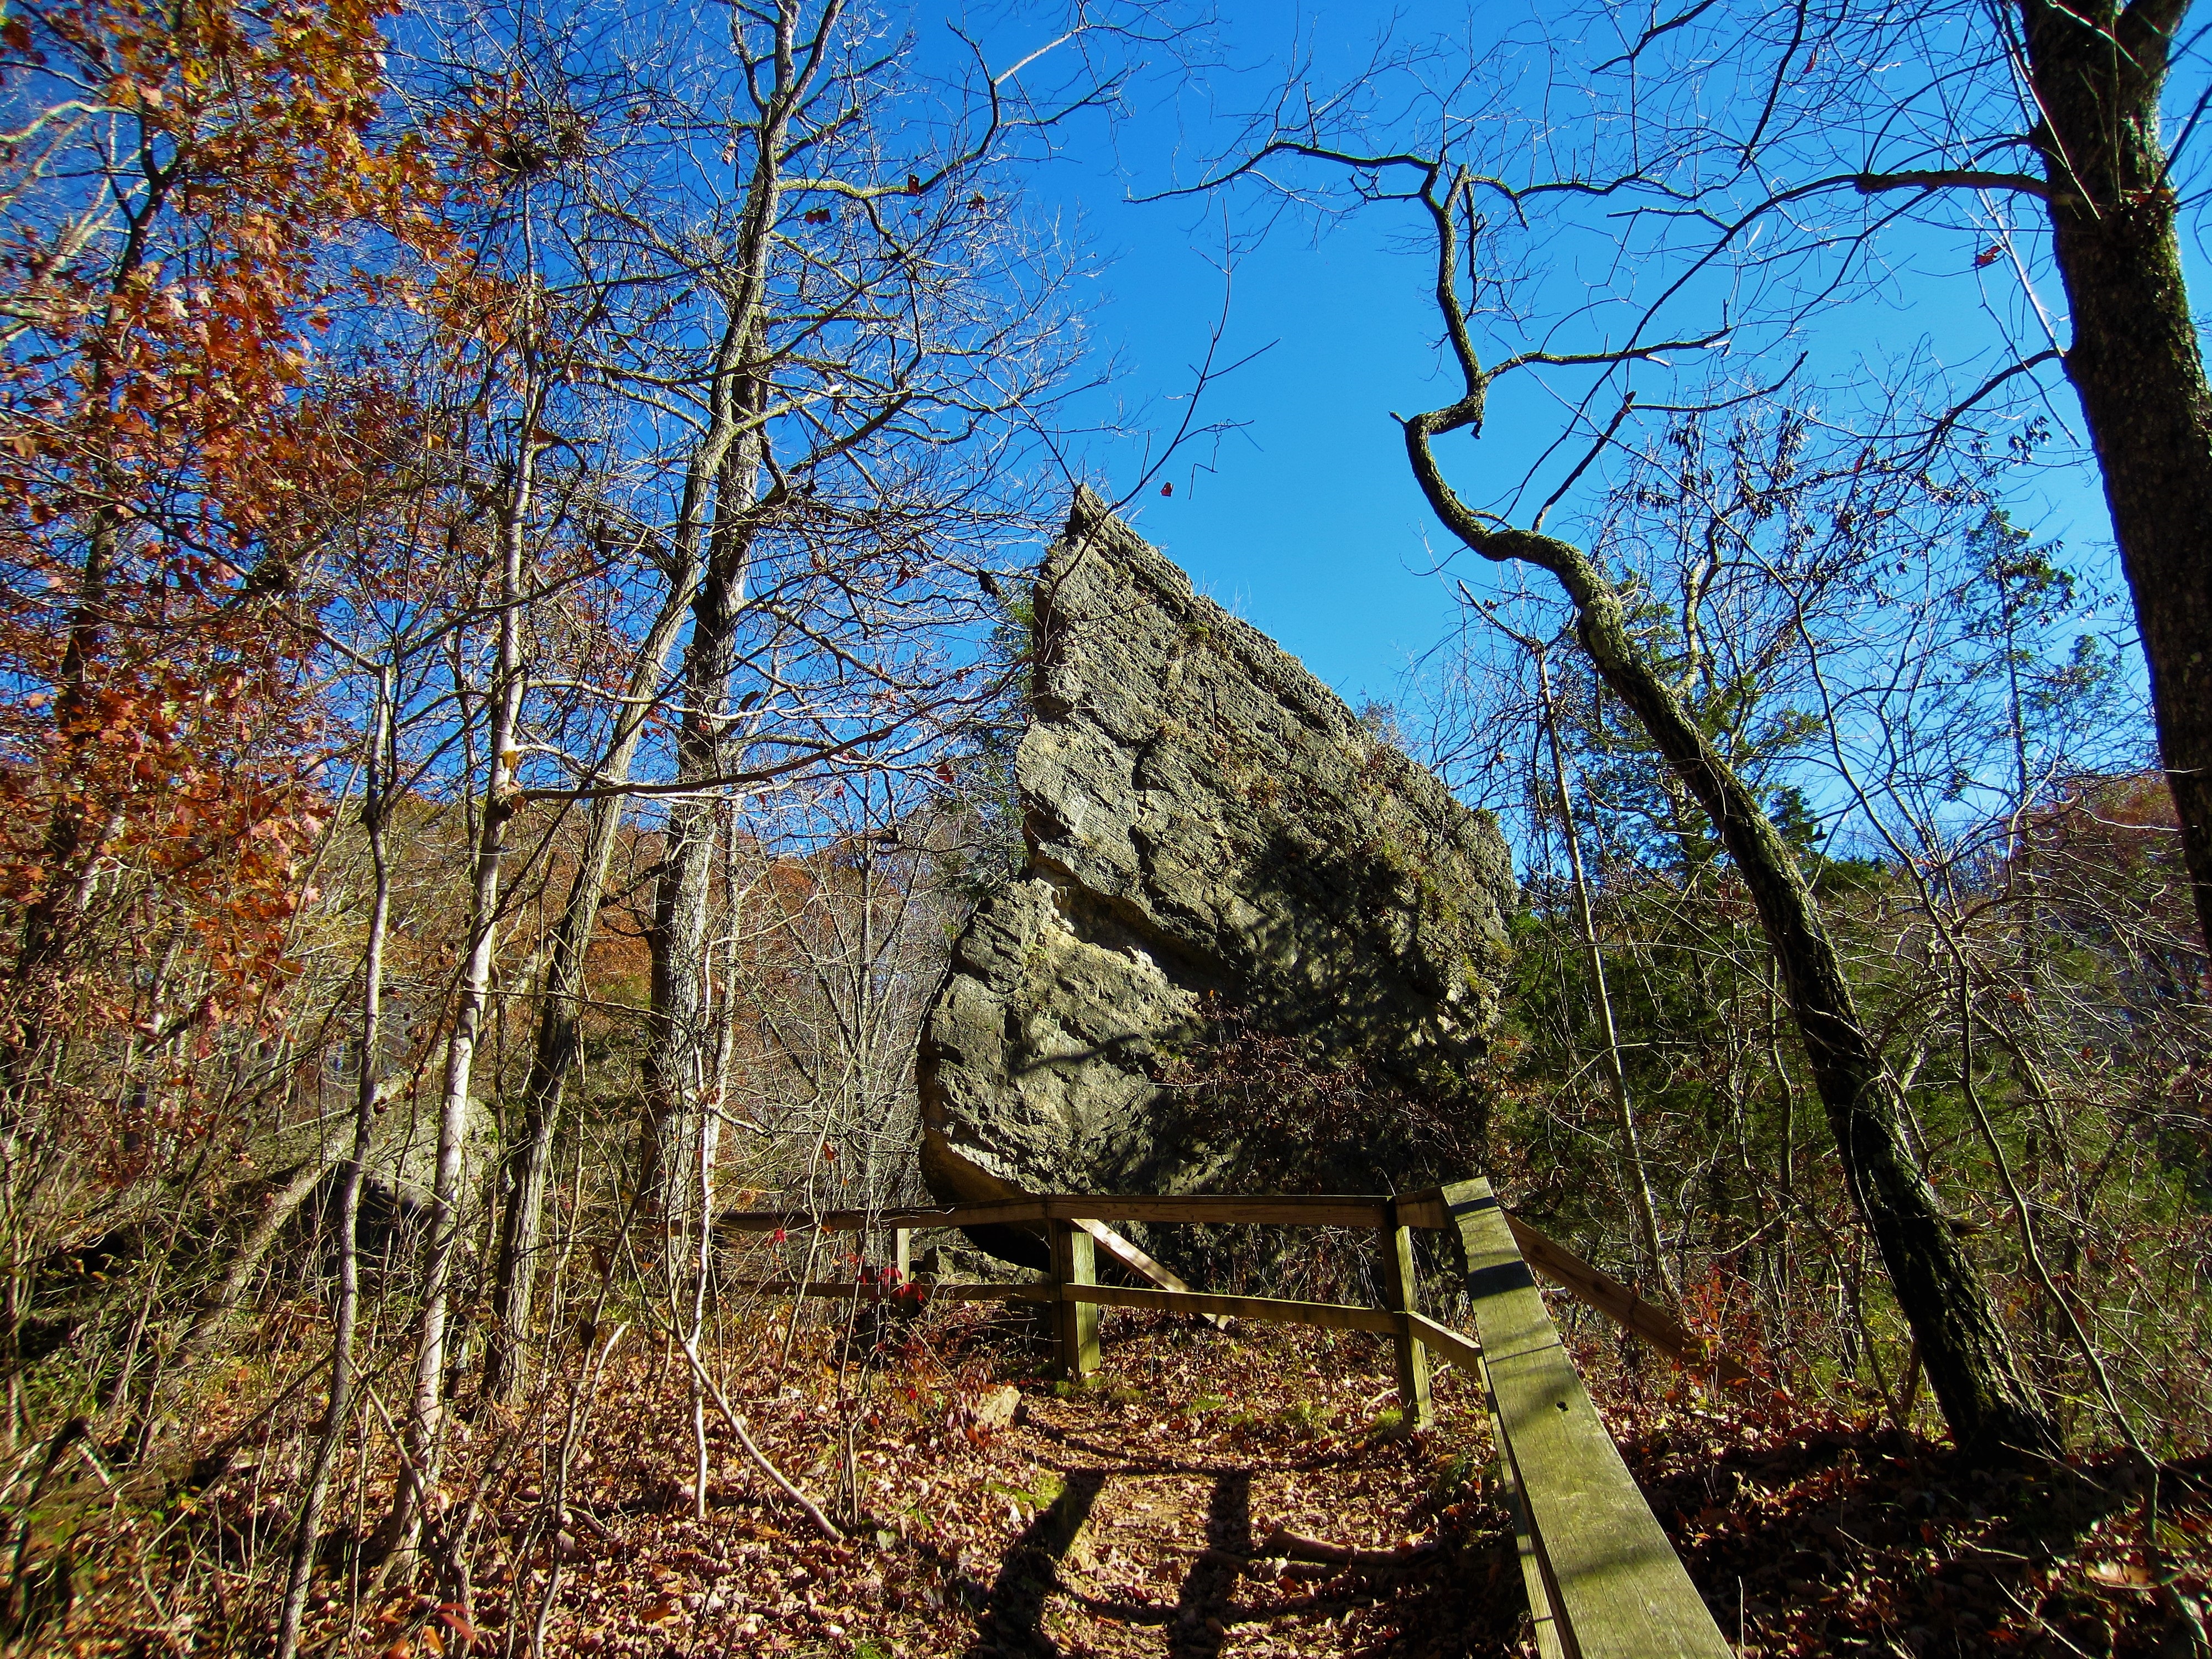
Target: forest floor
989,1513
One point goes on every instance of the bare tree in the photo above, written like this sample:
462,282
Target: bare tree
1963,1344
2025,171
1923,694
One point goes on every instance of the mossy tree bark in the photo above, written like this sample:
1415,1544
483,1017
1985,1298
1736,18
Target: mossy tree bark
1966,1355
2098,71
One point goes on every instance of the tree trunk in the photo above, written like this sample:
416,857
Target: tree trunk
1635,1175
346,1312
425,1448
1964,1349
560,1019
2135,361
735,402
70,855
675,1068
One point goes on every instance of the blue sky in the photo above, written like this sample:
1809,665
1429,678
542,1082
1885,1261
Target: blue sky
1304,520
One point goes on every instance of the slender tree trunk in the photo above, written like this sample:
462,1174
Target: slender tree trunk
724,472
347,1312
674,1069
45,919
703,1265
425,1447
735,406
1635,1175
2098,71
560,1019
725,1000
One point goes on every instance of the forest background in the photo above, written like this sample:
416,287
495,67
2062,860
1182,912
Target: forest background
512,629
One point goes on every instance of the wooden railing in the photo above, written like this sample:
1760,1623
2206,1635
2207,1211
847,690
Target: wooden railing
1602,1581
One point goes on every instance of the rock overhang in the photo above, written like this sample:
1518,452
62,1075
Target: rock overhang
1215,842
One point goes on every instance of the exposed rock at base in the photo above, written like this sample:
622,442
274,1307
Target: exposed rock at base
1217,845
400,1179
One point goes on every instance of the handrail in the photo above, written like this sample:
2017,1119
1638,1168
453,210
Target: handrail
1282,1210
1331,1316
1603,1580
1609,1577
1426,1210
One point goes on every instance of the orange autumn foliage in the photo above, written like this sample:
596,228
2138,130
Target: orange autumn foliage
172,444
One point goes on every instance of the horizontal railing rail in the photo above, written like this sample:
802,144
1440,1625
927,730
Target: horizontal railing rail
1359,1210
1603,1580
1425,1212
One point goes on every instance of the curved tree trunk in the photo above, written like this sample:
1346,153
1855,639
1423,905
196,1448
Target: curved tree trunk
1968,1358
1964,1349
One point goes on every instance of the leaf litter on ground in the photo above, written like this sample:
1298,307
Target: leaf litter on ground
1208,1493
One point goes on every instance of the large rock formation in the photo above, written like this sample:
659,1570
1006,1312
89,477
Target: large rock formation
1254,947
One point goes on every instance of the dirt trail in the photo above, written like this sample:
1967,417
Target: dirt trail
1151,1526
988,1512
1008,1514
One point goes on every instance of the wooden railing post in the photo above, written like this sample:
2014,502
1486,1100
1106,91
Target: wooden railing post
1074,1324
1401,1294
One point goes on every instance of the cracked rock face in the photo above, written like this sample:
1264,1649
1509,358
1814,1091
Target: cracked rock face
1216,842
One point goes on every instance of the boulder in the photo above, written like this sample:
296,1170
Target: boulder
398,1179
1254,945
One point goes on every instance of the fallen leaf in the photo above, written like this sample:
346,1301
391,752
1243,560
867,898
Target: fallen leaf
2119,1574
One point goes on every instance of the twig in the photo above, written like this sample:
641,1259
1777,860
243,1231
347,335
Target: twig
580,1403
1298,1548
744,1438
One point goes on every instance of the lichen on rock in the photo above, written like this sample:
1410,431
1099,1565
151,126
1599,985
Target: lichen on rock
1214,839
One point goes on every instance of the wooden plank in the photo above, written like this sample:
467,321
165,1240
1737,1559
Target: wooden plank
1075,1321
1014,1210
1467,1355
1618,1302
1205,1209
1612,1579
1133,1258
1425,1210
1330,1316
1288,1210
1142,1265
986,1292
843,1289
1400,1288
1535,1581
